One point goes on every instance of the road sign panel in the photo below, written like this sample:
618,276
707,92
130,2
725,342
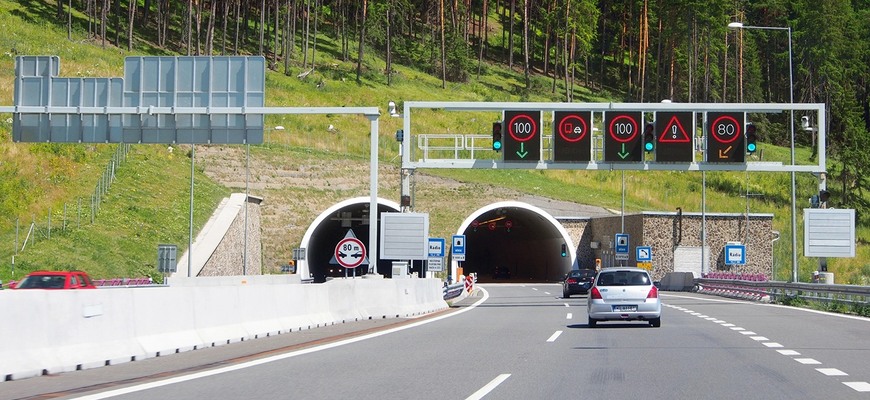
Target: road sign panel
523,139
725,141
622,133
644,253
149,81
436,247
572,136
674,136
435,264
457,249
350,252
735,254
621,243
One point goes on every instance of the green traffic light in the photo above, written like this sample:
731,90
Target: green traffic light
648,146
496,145
751,147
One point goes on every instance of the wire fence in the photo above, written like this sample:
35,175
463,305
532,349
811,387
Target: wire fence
71,215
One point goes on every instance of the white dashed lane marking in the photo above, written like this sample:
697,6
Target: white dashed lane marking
832,372
554,337
862,387
858,386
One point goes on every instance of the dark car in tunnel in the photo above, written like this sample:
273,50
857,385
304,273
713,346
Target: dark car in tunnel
577,281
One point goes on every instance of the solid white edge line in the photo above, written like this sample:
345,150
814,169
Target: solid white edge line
488,387
254,363
554,336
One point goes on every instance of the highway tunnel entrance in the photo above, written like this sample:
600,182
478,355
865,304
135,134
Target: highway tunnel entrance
332,226
505,242
515,242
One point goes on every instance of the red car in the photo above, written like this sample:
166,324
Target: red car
55,280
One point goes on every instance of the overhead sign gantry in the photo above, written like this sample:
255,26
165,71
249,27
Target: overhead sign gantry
605,136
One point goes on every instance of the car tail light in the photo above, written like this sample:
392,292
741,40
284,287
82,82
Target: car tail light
572,280
653,293
595,294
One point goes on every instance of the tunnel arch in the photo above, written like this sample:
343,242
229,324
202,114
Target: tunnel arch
515,241
329,228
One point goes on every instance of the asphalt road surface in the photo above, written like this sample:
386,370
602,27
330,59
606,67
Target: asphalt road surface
513,341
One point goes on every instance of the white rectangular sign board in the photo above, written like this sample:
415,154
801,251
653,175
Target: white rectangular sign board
829,232
404,236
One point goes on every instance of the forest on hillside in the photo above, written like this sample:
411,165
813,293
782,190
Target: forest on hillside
635,50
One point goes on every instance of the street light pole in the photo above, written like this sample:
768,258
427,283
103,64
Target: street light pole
739,25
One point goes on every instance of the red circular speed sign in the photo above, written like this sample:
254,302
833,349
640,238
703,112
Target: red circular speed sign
522,127
350,252
725,129
623,128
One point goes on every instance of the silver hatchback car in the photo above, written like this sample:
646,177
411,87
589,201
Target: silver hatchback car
624,294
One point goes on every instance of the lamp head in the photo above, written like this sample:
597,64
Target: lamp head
735,25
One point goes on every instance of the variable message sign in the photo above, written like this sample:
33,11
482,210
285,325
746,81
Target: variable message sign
523,139
622,133
725,141
572,136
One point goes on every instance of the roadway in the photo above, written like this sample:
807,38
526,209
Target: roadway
516,342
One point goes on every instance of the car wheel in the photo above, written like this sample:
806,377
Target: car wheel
593,323
655,322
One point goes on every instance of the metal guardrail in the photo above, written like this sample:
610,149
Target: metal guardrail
817,292
453,291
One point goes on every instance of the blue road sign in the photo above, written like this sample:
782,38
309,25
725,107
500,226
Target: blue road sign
622,243
735,254
436,247
644,253
458,247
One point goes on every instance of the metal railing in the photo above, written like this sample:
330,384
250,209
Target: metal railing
779,291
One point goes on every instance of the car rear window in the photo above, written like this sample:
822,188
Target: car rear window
583,273
623,278
42,282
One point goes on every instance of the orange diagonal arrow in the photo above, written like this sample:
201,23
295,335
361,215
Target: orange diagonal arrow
724,153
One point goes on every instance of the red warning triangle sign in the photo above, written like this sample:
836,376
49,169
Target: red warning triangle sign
674,132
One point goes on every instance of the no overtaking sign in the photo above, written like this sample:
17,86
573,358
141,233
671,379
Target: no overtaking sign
350,252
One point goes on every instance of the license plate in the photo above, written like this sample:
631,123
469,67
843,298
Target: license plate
624,308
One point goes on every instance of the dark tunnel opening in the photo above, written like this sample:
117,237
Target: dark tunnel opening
326,235
516,244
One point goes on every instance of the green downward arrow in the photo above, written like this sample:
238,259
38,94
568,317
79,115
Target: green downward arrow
523,153
623,154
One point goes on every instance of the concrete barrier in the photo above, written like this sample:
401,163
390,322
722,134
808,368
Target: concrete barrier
678,281
47,332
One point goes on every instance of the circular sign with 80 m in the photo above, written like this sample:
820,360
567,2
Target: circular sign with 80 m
350,252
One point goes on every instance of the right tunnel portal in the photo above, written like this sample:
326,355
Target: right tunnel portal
515,242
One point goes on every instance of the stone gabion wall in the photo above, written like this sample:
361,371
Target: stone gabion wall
577,230
227,258
664,232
